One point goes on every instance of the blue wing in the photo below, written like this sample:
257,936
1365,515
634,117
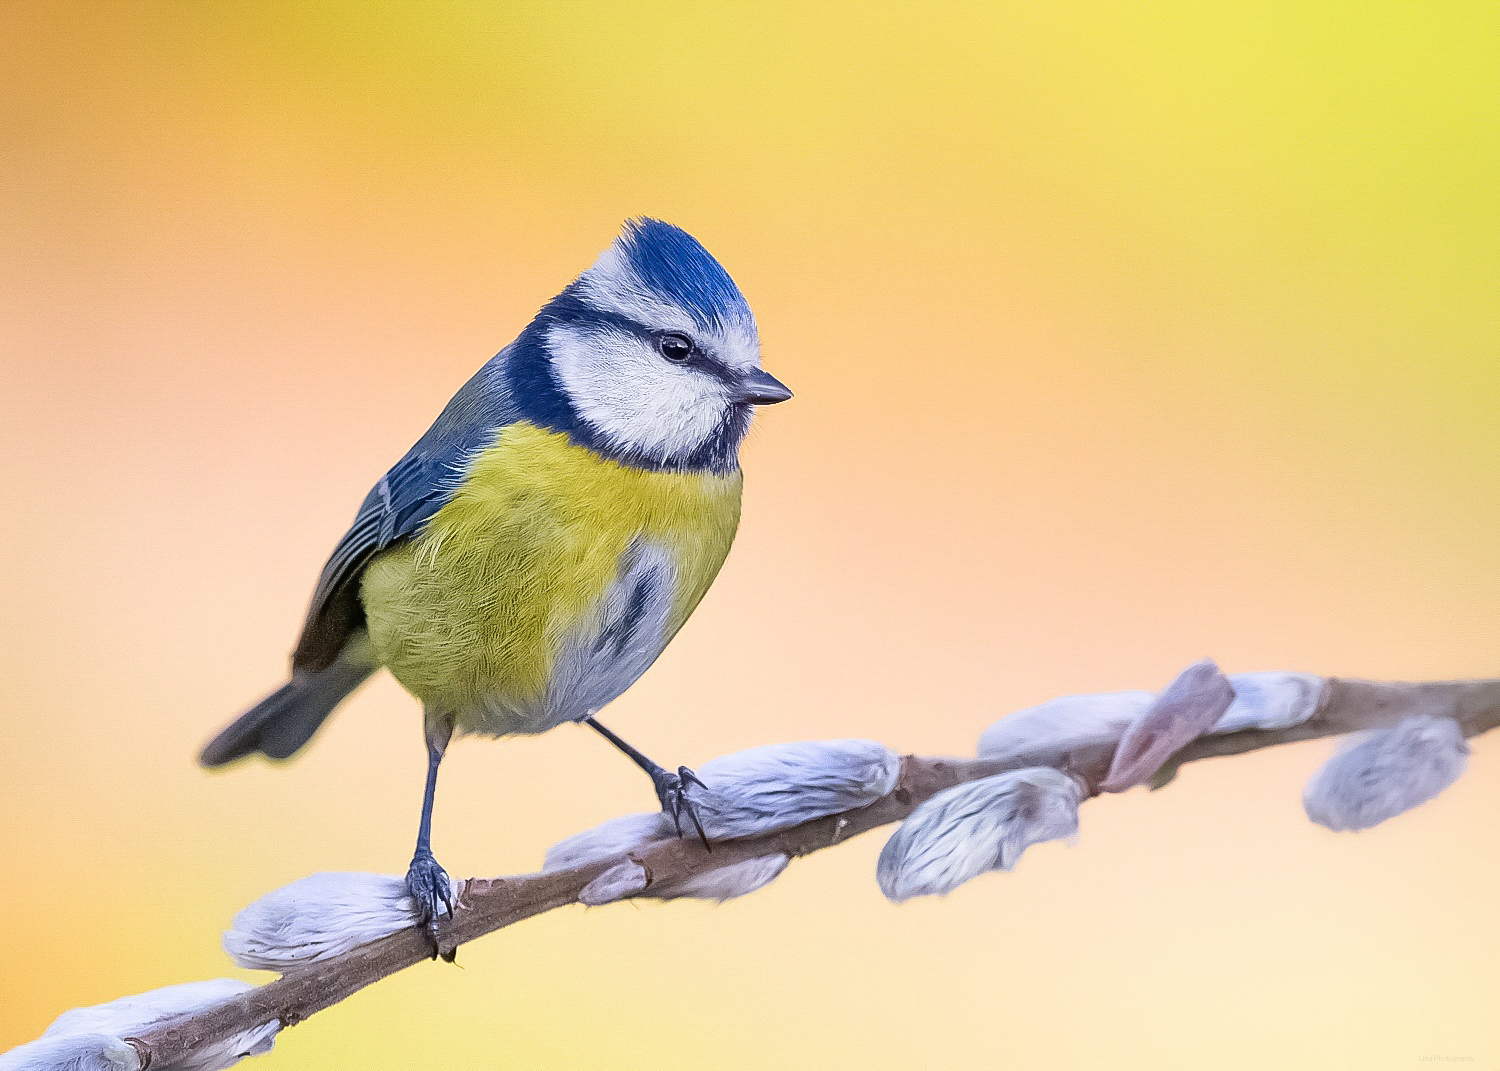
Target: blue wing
397,508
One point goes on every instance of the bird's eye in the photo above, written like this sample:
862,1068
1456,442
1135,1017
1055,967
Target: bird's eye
675,347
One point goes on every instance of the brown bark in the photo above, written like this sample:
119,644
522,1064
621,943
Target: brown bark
491,904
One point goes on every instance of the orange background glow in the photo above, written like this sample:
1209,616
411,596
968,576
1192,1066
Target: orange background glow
1121,334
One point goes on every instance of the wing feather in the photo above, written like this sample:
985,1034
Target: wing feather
398,507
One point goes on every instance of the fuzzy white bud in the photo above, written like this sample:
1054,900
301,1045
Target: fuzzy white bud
1271,701
1044,735
749,793
320,917
73,1052
616,883
1385,772
977,827
718,883
618,836
725,882
769,788
607,840
131,1016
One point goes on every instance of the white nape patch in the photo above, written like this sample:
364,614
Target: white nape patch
320,917
73,1052
1385,772
1045,734
973,828
133,1015
1271,701
633,396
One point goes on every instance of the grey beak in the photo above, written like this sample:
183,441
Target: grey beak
762,388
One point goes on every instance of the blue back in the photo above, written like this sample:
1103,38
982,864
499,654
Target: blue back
404,500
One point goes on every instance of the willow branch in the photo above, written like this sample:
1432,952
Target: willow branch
486,905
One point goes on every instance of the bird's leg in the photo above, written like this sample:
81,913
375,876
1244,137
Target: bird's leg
671,788
427,881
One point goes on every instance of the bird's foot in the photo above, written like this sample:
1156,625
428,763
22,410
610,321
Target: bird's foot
672,790
429,886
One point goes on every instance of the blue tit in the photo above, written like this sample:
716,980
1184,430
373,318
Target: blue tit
535,551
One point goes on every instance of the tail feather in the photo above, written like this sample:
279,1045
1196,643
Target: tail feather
286,719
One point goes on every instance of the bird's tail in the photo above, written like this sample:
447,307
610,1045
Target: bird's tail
286,719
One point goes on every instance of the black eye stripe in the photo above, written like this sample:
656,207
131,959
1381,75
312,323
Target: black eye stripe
697,357
569,309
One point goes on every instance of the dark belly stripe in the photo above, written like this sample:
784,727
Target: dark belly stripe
621,630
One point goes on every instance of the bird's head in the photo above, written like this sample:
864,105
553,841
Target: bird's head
651,357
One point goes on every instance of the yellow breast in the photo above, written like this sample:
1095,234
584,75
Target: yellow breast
473,611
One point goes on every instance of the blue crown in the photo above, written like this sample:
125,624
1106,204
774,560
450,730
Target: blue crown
675,267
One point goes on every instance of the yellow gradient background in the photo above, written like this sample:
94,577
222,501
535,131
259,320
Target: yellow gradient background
1122,335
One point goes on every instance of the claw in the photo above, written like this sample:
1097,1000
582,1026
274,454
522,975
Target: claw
671,789
429,886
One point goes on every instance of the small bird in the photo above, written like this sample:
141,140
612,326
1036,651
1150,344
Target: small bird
534,552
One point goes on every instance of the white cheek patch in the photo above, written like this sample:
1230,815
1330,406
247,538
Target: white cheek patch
632,396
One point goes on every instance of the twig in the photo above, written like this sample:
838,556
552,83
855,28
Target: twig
486,905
